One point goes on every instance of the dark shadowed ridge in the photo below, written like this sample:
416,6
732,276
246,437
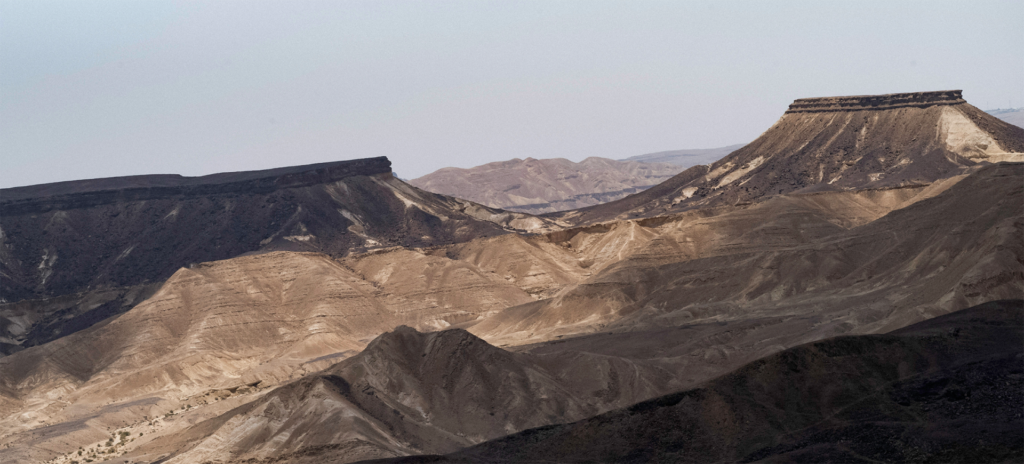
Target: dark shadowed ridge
944,390
407,392
832,143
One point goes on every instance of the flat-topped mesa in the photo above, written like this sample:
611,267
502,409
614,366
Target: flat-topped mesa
876,102
112,240
831,144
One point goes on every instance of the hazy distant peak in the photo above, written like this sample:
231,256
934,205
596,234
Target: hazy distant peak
544,185
1013,116
688,157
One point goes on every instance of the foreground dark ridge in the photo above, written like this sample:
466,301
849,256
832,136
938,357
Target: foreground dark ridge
407,392
876,102
947,389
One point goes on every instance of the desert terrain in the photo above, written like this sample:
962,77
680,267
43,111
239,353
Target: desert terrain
849,279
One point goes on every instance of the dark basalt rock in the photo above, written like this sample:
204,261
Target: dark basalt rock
876,102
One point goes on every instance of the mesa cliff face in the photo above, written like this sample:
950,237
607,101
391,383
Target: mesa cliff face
75,253
836,143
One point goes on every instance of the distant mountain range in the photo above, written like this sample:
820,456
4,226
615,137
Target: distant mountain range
1013,116
541,186
547,185
687,158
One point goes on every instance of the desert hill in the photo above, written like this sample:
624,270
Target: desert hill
870,397
407,392
1013,116
540,186
834,143
76,253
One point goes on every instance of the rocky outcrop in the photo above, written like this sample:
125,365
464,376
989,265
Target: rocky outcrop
408,392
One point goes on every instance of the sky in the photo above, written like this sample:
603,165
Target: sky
99,88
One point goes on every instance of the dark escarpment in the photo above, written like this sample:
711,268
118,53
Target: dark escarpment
876,102
75,253
408,393
94,192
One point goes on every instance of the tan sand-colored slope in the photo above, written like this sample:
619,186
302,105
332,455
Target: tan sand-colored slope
804,283
255,319
540,186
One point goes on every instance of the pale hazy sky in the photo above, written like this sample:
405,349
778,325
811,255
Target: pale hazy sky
99,88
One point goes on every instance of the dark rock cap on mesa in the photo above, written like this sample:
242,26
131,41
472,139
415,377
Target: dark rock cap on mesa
876,102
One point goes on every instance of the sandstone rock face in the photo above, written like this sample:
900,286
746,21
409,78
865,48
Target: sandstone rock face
75,253
795,255
836,143
540,186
